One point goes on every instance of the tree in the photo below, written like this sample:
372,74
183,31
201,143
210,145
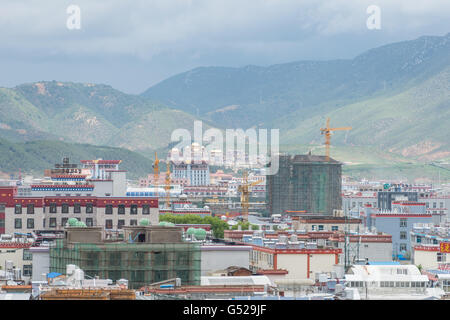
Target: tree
217,225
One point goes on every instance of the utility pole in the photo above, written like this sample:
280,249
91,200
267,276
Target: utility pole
345,243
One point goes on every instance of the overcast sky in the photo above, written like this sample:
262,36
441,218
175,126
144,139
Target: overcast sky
132,45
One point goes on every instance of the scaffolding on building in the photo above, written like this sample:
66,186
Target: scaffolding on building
139,263
306,183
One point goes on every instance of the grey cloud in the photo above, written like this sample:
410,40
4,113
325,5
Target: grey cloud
169,36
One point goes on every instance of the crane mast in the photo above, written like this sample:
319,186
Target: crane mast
327,132
244,190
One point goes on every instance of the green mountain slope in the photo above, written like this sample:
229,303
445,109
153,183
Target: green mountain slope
87,113
249,96
36,156
413,123
396,98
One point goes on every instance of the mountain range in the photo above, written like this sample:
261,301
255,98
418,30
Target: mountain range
396,98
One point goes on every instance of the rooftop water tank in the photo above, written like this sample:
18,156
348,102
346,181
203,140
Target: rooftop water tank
9,265
17,274
79,274
70,268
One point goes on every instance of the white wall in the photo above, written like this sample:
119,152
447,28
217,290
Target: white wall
220,259
41,263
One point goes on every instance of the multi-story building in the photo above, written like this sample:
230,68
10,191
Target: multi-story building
386,198
305,183
191,165
220,178
354,202
184,207
197,174
299,262
437,205
326,223
363,246
145,255
426,240
399,222
205,191
95,194
151,182
16,259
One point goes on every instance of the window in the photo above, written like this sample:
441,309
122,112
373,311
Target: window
52,223
43,223
76,208
18,209
65,208
108,209
64,221
30,209
313,227
89,208
440,257
30,223
18,223
145,209
133,222
27,270
334,228
52,207
27,255
321,227
402,246
134,209
403,223
403,235
120,224
419,239
89,222
108,224
441,204
121,209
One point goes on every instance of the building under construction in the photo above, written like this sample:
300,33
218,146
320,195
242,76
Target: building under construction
147,255
305,183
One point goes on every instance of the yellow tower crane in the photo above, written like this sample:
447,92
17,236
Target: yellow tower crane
167,185
244,190
327,132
